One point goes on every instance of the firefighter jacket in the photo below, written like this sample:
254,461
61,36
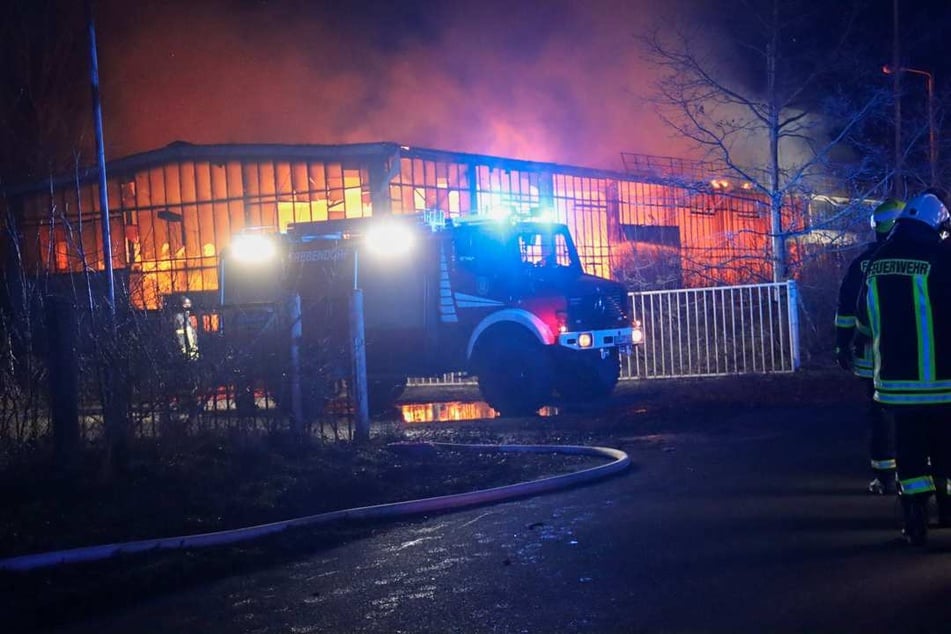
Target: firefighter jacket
846,335
906,311
186,334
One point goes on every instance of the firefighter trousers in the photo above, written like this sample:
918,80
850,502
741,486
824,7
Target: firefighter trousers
923,448
881,434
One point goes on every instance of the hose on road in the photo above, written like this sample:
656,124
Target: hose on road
619,462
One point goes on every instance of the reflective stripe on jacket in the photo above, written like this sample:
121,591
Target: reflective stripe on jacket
846,336
907,309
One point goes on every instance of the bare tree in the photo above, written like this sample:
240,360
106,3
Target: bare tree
776,102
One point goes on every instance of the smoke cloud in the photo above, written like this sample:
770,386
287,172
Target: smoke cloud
553,80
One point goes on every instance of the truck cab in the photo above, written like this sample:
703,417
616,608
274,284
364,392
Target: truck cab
506,300
536,322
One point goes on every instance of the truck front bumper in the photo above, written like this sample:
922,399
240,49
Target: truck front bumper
598,339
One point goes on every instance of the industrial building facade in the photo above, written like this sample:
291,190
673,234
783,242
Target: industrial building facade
174,209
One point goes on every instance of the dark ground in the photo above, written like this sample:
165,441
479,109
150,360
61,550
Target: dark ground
223,483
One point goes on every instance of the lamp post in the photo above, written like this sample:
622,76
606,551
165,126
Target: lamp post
932,141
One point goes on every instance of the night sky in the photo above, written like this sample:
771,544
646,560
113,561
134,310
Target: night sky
547,80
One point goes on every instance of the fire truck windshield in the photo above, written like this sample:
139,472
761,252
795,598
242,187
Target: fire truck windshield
547,246
483,248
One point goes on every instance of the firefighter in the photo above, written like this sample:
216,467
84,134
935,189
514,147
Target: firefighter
907,301
185,332
853,352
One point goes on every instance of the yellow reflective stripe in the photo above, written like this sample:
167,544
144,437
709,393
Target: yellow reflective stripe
891,398
845,321
874,328
917,486
862,364
884,465
925,329
914,386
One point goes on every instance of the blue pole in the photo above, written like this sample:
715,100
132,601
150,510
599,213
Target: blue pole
359,351
101,159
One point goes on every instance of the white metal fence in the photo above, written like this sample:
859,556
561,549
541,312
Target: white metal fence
713,331
716,331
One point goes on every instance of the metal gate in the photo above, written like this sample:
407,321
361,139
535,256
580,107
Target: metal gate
716,331
712,331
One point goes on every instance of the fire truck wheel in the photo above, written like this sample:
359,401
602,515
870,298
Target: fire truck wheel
587,376
515,374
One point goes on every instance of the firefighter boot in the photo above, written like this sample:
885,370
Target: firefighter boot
943,502
944,511
915,511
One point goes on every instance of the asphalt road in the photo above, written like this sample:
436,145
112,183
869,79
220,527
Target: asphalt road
734,518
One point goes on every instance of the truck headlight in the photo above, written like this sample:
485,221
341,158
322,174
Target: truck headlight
389,239
253,248
637,332
585,340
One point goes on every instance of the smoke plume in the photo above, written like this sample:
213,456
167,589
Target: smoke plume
556,81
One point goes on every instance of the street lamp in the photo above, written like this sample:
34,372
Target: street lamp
932,141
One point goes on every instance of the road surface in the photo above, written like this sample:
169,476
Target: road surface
734,518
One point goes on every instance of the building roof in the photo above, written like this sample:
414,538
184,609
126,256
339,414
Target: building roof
184,151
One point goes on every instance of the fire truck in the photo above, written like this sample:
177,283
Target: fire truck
503,299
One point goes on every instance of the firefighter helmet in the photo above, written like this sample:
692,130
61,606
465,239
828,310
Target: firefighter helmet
884,216
927,207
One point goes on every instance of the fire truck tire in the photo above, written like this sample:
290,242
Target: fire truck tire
515,373
587,376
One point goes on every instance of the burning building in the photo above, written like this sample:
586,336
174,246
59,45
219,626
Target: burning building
174,209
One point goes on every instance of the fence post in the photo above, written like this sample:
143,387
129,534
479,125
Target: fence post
793,308
63,377
358,353
297,409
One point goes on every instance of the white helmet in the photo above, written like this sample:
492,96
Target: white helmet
928,208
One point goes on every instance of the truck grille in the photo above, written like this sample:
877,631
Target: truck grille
607,309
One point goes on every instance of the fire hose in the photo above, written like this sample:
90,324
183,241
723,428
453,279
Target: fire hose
619,462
